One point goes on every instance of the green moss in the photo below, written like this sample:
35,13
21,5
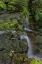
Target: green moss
35,61
10,54
10,7
2,5
15,25
20,58
25,42
4,47
20,27
25,33
11,25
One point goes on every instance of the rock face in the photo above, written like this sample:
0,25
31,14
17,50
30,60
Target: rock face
12,21
11,26
10,45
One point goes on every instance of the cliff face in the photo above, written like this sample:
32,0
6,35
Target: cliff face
11,47
12,23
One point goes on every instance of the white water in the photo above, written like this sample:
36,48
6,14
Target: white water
27,28
30,50
27,22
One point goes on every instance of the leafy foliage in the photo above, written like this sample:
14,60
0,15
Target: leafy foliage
15,5
36,9
35,61
2,5
10,54
38,16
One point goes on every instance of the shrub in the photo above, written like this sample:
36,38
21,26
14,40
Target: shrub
2,5
35,61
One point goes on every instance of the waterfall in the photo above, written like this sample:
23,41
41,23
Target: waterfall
30,50
27,22
27,28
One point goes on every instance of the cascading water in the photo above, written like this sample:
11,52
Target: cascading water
27,28
30,50
27,22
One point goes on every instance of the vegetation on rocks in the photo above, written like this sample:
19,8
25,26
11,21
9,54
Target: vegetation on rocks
10,23
35,61
13,13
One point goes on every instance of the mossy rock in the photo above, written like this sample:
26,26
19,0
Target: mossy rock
17,48
35,61
20,58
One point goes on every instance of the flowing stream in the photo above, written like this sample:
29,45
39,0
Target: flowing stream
27,28
30,49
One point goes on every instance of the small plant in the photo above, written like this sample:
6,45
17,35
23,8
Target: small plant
10,54
35,61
